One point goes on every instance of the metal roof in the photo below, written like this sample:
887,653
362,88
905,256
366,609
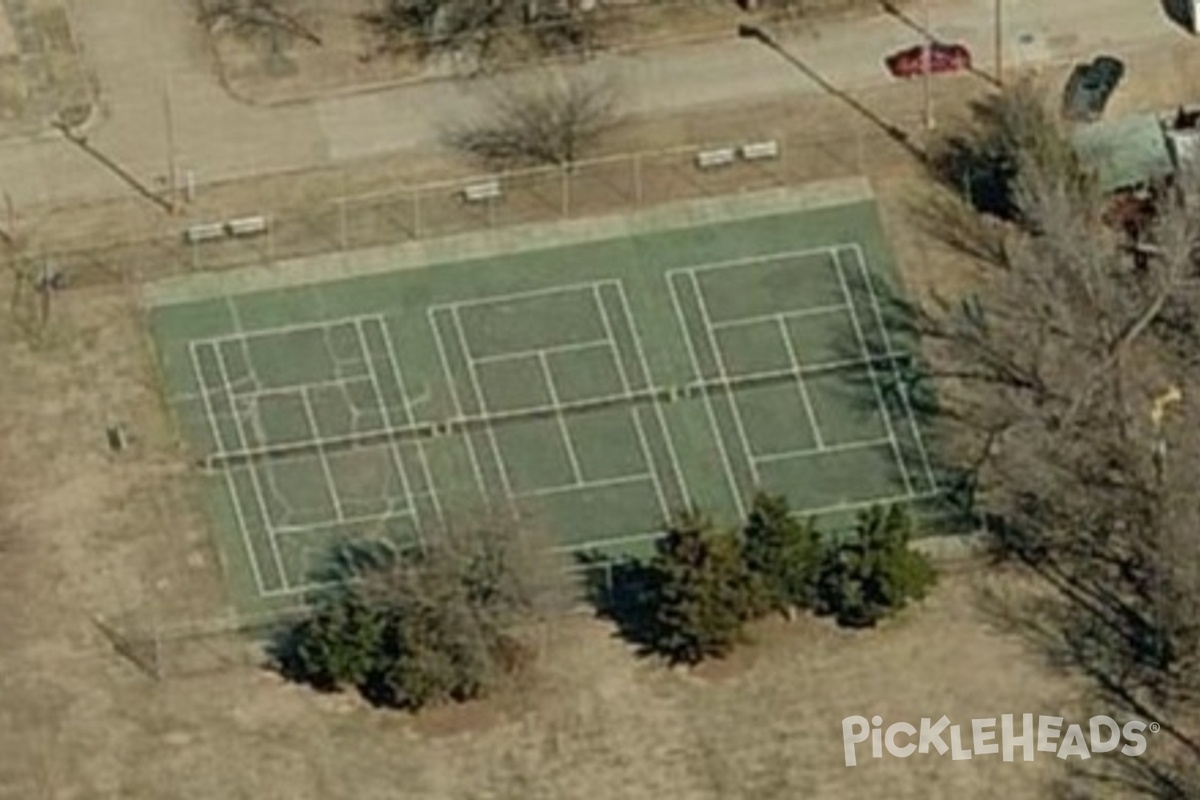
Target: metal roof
1126,151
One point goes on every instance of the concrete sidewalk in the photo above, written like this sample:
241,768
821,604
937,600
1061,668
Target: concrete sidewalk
143,50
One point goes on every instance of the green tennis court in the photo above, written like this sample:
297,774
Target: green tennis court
594,384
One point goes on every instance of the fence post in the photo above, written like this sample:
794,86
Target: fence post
416,200
341,202
270,240
566,190
637,179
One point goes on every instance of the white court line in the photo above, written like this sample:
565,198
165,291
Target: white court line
562,348
239,338
393,446
339,362
882,405
800,385
708,404
760,259
617,541
481,400
330,483
259,393
265,512
769,375
309,527
294,327
634,415
814,311
726,379
496,299
858,505
473,457
648,375
582,486
572,457
243,527
861,260
422,456
862,444
338,383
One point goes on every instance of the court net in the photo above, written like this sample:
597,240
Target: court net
469,423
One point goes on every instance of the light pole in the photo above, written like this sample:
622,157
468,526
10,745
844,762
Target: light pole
998,24
928,67
172,165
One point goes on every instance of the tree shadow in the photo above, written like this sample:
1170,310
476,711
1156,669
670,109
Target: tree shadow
890,378
977,164
1178,12
621,591
1036,615
342,568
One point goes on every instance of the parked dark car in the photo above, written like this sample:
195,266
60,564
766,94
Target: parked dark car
941,57
1090,87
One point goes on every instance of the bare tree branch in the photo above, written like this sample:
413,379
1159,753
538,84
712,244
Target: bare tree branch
551,117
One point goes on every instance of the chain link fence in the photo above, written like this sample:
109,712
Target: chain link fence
318,225
617,184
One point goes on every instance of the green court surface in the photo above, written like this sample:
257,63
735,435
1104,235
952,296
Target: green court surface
594,386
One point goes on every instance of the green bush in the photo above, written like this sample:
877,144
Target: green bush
338,644
433,650
429,628
874,572
784,552
701,592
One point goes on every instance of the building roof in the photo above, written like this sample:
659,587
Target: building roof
1126,151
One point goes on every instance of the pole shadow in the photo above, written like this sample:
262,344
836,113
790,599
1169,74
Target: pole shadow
893,131
112,166
928,35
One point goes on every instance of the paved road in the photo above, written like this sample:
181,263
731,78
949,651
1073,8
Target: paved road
140,47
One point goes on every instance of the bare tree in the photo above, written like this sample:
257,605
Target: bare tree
485,31
254,18
449,622
1053,385
550,117
432,25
